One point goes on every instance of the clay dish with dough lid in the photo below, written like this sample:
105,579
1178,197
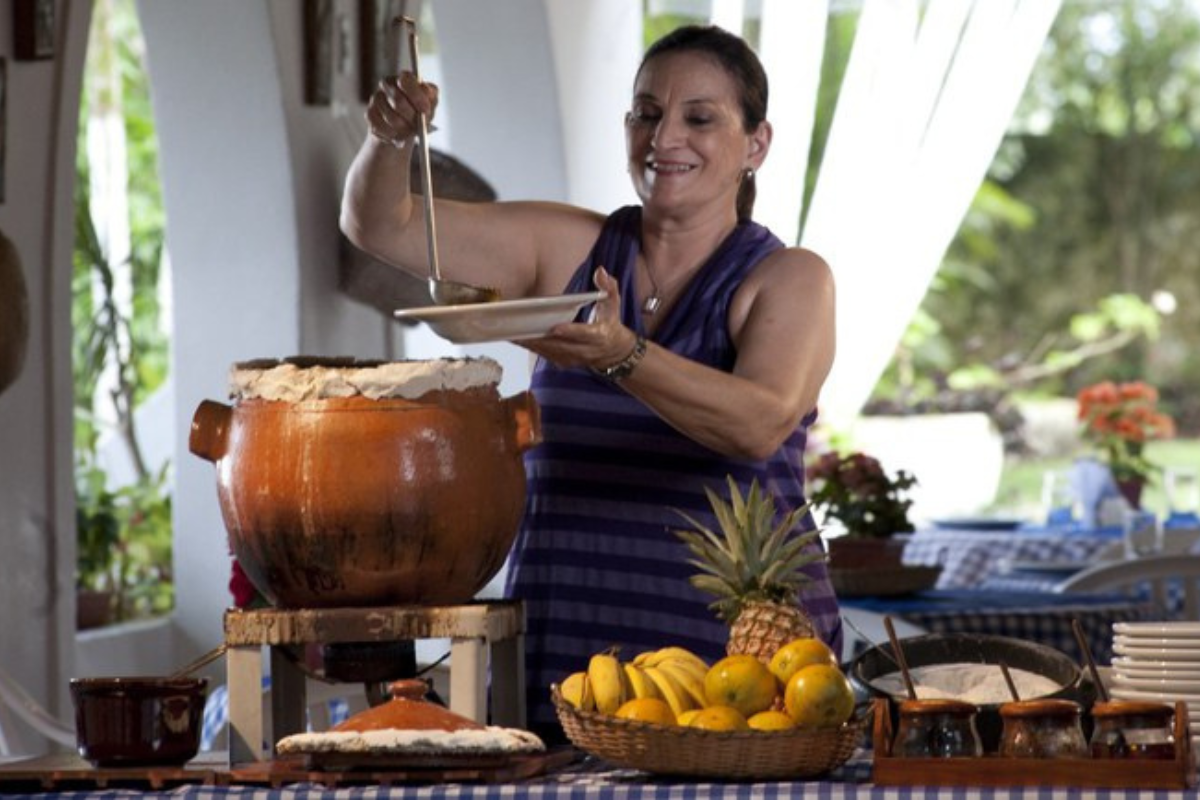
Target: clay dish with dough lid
364,483
407,723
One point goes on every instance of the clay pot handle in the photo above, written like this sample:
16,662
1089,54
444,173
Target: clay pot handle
528,418
209,437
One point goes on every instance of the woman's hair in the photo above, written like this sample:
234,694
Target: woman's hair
741,63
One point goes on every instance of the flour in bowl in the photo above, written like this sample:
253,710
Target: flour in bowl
981,684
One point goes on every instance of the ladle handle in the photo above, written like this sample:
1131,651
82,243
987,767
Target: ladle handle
900,659
410,26
1077,629
1008,679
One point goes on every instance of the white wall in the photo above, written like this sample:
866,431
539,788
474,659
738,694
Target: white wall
36,504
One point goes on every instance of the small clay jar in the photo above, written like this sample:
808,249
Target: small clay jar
1133,729
936,729
1042,729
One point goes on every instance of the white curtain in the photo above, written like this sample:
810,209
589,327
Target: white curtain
927,95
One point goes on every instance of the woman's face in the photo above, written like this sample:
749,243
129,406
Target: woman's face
685,135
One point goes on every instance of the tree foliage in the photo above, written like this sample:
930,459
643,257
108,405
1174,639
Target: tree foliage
1088,213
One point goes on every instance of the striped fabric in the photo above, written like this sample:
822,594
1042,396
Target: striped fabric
595,561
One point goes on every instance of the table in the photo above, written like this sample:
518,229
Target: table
1034,616
596,780
970,558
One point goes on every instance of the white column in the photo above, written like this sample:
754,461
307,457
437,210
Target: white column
791,46
597,46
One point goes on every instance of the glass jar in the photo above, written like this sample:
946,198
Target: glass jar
1042,729
936,729
1133,729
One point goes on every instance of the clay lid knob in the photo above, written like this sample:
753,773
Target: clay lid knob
408,689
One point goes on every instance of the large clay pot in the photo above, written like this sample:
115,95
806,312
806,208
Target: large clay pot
368,483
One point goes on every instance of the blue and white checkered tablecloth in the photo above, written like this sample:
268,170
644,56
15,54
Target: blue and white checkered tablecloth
971,558
594,780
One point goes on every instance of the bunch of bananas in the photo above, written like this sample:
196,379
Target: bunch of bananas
673,674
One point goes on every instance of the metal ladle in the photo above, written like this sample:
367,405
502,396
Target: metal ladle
443,292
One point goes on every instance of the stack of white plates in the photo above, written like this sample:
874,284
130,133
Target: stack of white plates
1159,661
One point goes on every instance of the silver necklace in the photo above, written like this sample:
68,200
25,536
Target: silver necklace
654,300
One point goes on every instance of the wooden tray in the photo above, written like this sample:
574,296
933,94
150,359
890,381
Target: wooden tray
994,770
385,772
64,772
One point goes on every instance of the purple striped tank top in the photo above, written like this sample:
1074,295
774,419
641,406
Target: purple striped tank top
595,560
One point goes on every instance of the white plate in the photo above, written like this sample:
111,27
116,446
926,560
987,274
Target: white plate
1157,629
504,320
1156,684
1174,642
1189,654
1192,700
1147,668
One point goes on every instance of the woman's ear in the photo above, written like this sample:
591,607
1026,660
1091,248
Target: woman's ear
760,145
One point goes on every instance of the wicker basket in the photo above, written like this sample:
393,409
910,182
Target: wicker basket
732,755
884,581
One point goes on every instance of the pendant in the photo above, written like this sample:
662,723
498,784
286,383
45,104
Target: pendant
651,304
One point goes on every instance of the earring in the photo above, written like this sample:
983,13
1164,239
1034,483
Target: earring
748,174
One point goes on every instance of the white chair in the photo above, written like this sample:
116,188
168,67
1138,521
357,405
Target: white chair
1157,574
862,629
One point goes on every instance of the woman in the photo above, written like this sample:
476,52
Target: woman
705,359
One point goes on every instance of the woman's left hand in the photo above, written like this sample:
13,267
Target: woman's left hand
596,344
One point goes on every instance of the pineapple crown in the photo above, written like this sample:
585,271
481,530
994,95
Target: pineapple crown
753,559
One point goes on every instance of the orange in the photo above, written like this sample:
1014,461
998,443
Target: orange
685,719
771,720
741,682
647,709
800,653
719,718
819,696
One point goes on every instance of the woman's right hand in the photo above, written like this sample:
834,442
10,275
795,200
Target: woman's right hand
392,111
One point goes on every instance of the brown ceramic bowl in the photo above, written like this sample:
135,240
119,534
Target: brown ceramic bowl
131,722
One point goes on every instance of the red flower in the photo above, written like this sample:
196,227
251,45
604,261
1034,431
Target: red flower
245,594
1119,419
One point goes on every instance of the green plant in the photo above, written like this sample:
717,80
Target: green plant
855,490
119,348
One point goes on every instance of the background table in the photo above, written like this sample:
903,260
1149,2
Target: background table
970,558
1033,616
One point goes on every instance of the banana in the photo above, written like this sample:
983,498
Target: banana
608,682
639,684
641,658
673,652
577,690
688,677
677,698
696,670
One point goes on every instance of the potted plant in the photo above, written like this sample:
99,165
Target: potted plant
1118,419
870,505
98,535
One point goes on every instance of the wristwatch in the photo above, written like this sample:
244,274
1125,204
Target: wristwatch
624,368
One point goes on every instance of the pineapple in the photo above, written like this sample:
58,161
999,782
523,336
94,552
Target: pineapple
753,568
